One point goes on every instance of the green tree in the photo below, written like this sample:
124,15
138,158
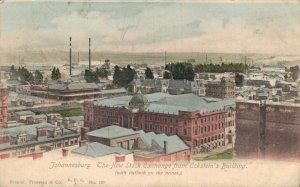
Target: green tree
148,73
239,79
117,75
38,77
122,77
168,75
25,75
181,70
55,74
101,72
90,76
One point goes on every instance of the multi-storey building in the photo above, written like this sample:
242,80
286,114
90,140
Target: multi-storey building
199,121
3,106
220,89
268,130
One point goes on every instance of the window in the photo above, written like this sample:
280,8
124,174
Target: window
201,130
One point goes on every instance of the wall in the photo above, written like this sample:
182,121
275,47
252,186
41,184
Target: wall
273,134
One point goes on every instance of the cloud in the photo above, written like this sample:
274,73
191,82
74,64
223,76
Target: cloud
171,27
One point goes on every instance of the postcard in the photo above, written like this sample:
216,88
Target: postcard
149,93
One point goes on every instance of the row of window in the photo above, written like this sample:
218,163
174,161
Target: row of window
161,128
208,139
208,119
160,119
209,128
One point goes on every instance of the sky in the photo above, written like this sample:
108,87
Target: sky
152,27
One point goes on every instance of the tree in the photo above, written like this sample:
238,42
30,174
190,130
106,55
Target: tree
117,75
239,79
221,68
122,77
25,75
182,70
101,72
38,77
148,73
55,74
168,75
90,76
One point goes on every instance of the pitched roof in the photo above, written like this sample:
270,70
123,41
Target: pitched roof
96,149
172,104
174,144
112,131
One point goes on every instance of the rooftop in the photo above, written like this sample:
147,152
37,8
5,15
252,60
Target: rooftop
24,113
112,131
73,86
96,149
113,91
172,104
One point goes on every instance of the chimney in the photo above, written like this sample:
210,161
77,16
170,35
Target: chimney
165,59
82,143
165,147
65,152
62,131
41,133
90,54
70,56
4,139
83,131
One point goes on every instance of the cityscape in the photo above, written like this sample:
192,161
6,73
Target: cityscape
147,101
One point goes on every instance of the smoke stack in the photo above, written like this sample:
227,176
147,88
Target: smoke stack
165,59
90,54
165,147
70,56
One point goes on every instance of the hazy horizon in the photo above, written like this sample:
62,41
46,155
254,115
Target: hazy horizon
227,28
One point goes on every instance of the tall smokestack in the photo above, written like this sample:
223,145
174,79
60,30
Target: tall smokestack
165,58
70,56
78,57
90,54
206,58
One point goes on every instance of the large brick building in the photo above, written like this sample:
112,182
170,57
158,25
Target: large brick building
268,130
3,106
199,121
